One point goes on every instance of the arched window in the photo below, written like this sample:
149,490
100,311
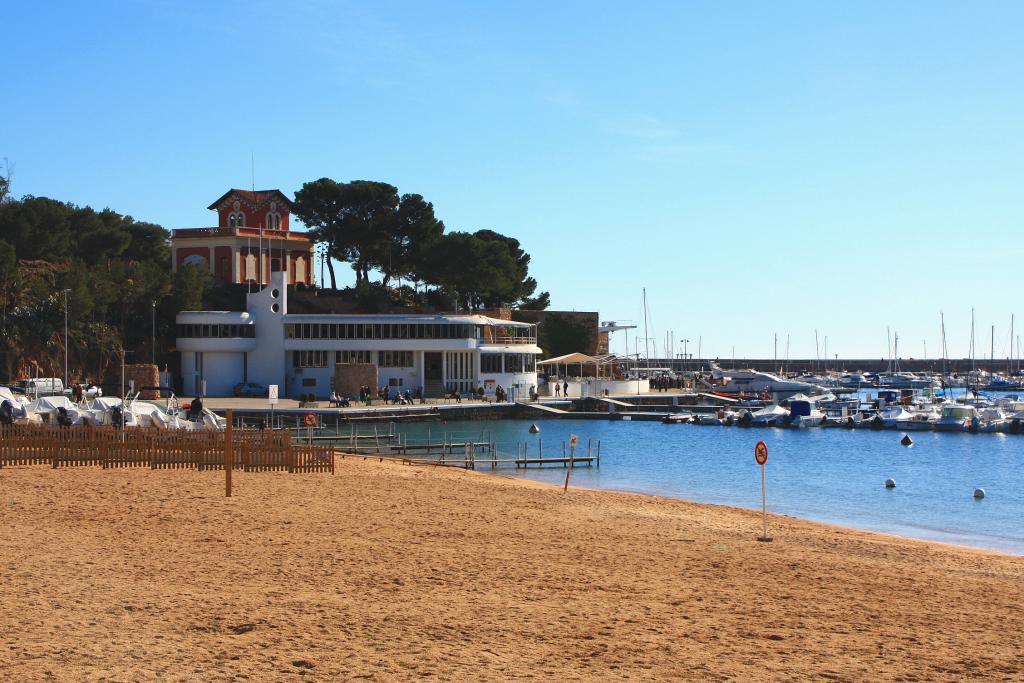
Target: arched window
273,221
194,260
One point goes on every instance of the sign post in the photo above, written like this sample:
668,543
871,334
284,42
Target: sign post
573,440
761,456
229,454
272,397
310,422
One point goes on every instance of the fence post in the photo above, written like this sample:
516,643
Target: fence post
228,454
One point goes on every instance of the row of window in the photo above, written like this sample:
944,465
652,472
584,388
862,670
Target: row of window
217,331
381,331
458,363
237,220
493,363
394,359
385,359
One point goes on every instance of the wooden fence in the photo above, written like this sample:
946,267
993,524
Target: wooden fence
254,450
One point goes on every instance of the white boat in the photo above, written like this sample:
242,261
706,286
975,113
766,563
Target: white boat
955,418
922,420
892,415
769,416
804,413
754,382
905,380
989,420
718,418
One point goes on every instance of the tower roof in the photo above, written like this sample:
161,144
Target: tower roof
255,198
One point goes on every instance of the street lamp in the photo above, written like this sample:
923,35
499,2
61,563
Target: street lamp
123,354
66,338
153,341
124,406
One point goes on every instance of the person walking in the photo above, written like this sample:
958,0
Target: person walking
565,389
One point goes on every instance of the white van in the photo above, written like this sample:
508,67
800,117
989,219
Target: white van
42,386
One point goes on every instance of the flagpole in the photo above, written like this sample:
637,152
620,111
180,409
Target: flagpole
248,253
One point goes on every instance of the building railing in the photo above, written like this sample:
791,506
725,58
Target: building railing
238,232
507,339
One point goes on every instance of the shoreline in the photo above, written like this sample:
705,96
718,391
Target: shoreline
400,572
741,509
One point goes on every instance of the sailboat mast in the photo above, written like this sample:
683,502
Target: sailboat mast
896,352
1009,359
647,342
888,349
972,348
817,351
992,349
945,374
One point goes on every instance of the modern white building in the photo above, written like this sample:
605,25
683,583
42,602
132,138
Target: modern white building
298,352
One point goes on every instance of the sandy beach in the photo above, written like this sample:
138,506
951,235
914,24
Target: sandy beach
391,572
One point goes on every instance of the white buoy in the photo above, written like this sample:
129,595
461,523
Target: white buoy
979,493
890,483
534,429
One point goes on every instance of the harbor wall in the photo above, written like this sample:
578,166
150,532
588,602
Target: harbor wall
958,366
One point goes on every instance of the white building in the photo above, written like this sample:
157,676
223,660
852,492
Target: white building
298,352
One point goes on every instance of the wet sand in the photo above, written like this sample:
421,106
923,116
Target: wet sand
391,572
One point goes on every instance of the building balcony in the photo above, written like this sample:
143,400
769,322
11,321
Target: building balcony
248,232
507,339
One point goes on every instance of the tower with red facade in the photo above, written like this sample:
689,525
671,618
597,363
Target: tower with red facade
252,240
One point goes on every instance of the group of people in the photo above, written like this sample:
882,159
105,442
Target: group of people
78,391
562,389
383,394
664,383
339,401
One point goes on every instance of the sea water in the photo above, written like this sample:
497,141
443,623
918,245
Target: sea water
830,475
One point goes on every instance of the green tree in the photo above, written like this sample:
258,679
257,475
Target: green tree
475,270
37,228
367,224
191,285
349,218
412,233
522,286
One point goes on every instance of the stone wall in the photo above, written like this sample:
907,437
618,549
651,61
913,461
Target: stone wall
349,377
144,375
562,332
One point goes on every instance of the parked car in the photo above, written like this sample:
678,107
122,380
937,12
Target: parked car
42,386
250,390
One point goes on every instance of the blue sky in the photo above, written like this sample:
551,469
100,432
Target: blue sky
760,168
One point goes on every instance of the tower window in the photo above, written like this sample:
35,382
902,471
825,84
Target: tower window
274,221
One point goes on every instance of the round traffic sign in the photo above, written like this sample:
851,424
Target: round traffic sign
310,420
761,452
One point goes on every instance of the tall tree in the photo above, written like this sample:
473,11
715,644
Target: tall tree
522,286
476,271
366,223
412,233
351,218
